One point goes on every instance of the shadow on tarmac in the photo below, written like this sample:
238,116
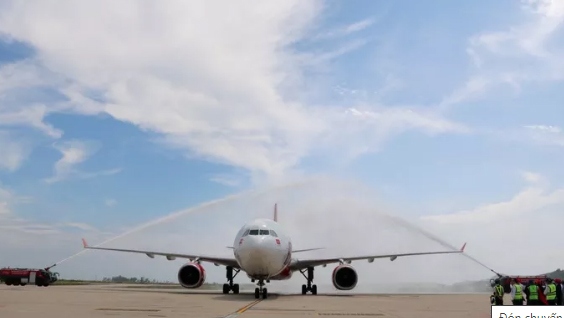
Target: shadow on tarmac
249,295
246,296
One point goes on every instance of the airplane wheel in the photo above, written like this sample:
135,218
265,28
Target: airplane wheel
236,289
257,294
304,289
264,293
314,290
225,288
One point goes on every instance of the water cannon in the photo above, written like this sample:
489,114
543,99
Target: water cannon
498,274
49,267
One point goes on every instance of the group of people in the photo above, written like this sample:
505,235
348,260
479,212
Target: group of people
534,293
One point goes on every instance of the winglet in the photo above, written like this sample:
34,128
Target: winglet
275,212
463,247
84,244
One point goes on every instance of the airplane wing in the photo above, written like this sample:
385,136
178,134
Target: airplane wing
308,249
171,256
301,264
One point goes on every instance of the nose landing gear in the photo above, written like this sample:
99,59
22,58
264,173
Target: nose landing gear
230,286
309,286
261,290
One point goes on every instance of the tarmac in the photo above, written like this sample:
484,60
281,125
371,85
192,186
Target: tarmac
87,301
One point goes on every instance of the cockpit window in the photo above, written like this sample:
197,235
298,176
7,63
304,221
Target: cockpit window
264,232
246,233
273,233
254,232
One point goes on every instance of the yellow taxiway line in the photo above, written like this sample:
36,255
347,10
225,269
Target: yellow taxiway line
243,309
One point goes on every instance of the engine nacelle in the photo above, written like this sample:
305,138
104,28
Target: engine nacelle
191,275
344,277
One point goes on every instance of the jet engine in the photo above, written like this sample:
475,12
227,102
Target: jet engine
344,277
191,275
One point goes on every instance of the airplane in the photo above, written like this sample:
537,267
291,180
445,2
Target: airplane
264,252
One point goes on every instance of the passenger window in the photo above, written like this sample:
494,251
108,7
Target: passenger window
253,232
264,232
273,233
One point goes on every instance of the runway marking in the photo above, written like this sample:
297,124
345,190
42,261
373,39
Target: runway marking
243,309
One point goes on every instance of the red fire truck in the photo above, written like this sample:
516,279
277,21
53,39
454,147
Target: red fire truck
505,280
24,276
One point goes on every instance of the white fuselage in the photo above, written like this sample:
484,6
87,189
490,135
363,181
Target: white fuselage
263,250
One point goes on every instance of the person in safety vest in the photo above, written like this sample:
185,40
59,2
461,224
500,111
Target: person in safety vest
517,293
558,291
498,293
550,292
532,292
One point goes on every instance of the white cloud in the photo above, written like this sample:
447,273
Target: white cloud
110,202
44,242
546,134
19,76
31,115
81,226
370,126
14,225
510,229
530,51
227,180
550,129
219,86
75,152
345,30
13,151
532,177
530,39
528,201
4,196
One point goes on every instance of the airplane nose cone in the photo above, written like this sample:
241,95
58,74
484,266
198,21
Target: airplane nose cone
258,255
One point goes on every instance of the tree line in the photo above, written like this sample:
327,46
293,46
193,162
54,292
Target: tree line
138,280
131,280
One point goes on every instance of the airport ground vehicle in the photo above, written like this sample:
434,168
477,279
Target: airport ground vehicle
23,276
505,280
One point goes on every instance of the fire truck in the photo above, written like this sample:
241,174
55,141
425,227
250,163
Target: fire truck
505,280
23,276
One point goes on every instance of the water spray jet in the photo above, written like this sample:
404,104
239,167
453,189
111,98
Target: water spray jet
172,216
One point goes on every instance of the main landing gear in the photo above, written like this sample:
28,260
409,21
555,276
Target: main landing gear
231,286
261,290
309,286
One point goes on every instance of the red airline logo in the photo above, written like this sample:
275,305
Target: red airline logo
278,241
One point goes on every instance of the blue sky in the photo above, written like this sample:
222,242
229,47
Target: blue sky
445,109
